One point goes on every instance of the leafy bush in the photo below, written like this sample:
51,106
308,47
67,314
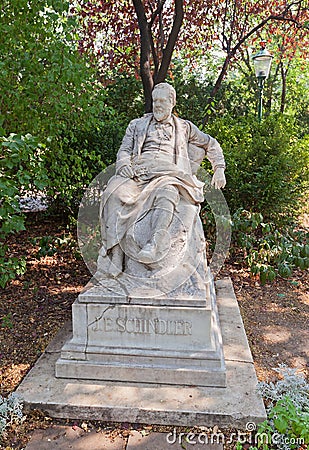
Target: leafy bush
78,158
46,86
21,170
124,94
267,165
287,409
49,245
48,89
267,251
10,412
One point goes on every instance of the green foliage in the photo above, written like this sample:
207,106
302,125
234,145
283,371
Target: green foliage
267,165
21,170
193,88
10,412
287,424
7,321
238,94
45,85
124,95
267,251
236,97
49,245
10,267
287,427
80,156
297,102
290,420
48,89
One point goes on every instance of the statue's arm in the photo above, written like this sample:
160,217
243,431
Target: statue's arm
124,155
213,153
211,146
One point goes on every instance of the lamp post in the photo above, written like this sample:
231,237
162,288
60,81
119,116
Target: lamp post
262,62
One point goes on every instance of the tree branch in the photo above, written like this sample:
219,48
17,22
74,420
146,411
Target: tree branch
161,31
156,12
232,27
154,54
259,26
224,38
168,51
233,51
128,62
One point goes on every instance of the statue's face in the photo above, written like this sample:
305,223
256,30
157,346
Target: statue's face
162,105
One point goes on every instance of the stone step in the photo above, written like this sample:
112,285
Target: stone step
67,438
61,437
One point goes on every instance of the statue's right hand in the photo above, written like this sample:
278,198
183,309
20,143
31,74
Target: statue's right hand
126,172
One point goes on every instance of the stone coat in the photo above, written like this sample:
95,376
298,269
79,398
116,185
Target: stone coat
191,145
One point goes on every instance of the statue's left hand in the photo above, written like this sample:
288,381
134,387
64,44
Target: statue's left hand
126,171
218,179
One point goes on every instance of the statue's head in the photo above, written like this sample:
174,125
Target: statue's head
164,100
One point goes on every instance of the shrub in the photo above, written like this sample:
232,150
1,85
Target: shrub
269,252
287,407
10,412
78,157
21,170
266,250
267,165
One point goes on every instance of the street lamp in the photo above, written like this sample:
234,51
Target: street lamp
262,62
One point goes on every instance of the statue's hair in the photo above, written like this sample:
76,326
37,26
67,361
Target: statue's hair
166,87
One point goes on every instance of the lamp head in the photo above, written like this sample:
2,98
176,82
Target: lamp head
262,62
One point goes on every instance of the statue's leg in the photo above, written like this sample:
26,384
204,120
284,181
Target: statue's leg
165,202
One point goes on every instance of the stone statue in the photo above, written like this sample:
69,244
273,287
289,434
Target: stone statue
149,315
150,223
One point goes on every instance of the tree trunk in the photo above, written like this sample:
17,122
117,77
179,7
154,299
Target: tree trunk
145,69
283,91
148,79
171,42
148,83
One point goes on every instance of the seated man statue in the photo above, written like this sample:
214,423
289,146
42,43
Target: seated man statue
150,207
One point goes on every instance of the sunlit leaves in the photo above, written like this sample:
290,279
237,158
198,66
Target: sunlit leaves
110,29
45,84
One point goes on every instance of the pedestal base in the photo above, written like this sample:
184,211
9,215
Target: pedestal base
234,406
143,343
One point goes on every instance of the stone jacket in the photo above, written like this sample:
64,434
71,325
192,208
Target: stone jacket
191,145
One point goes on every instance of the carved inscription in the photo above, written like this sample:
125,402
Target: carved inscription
140,325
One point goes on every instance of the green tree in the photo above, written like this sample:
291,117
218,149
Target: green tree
48,89
45,85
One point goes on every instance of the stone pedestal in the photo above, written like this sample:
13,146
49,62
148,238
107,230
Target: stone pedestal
144,339
163,404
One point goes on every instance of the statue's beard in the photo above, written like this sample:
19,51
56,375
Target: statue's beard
161,115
